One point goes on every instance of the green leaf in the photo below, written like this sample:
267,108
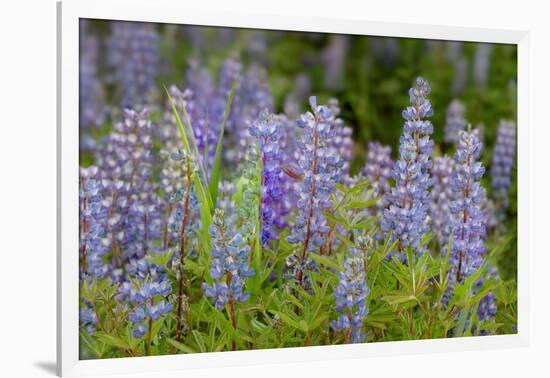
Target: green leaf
184,348
216,168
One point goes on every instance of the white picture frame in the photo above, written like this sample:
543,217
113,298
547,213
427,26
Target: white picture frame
165,11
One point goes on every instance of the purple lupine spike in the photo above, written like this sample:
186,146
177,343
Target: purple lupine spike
378,169
442,195
254,97
342,141
467,217
133,50
455,121
503,162
229,267
125,160
351,295
320,168
149,300
91,101
334,58
405,217
266,129
94,243
482,63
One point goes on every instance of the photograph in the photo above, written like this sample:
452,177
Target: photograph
244,189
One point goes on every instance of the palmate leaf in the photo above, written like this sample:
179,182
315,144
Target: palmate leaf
215,175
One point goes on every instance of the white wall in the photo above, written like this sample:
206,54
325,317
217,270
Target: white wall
27,186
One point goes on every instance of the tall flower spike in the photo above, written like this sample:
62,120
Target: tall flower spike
442,195
134,54
455,121
342,141
320,168
405,217
94,243
229,267
378,168
351,294
266,129
468,221
125,159
503,161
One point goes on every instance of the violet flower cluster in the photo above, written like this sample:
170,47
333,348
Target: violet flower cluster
133,54
319,168
342,141
266,129
350,295
94,243
467,217
229,267
149,300
125,160
442,195
405,217
503,161
455,121
378,169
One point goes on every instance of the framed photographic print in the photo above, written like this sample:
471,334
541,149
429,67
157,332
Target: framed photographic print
264,188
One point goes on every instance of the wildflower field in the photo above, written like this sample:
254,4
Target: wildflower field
247,189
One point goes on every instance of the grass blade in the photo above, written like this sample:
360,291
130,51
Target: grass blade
215,175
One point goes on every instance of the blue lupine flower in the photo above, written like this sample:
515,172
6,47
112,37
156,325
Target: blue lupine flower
229,267
350,295
342,141
148,297
91,101
134,55
503,161
378,168
320,168
266,129
455,121
467,217
482,63
334,59
88,319
442,195
405,218
125,160
94,243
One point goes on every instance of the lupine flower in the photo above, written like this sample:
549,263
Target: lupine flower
149,302
482,63
91,104
487,308
134,54
266,130
94,243
405,218
385,50
442,195
334,58
503,161
455,121
467,220
351,294
229,267
320,168
378,168
125,161
342,141
253,97
88,319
